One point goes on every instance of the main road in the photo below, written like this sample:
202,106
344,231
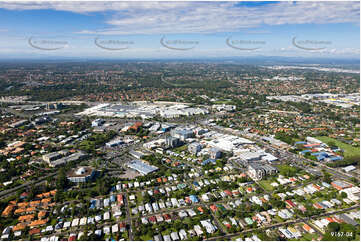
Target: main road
11,191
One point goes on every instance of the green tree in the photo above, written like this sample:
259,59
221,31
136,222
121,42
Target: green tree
62,182
333,227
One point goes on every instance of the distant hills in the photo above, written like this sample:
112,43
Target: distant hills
252,60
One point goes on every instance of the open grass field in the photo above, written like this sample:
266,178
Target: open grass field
266,184
349,150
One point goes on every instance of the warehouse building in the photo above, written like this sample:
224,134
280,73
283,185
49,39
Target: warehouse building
141,167
19,123
137,154
340,185
114,143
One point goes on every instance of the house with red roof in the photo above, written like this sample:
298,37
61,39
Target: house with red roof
153,219
228,193
316,205
290,204
213,208
167,218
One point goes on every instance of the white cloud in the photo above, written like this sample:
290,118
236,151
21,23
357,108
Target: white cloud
200,17
89,6
334,52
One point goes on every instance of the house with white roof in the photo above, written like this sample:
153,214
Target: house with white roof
353,193
106,202
67,225
167,238
155,206
115,228
198,230
174,202
98,218
91,220
299,192
336,201
286,233
174,236
182,234
106,230
148,208
75,222
98,232
159,218
144,220
49,228
161,205
106,215
210,228
83,221
191,212
256,200
182,214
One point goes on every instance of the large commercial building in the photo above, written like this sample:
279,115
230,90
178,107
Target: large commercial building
56,158
258,171
51,157
81,174
194,148
340,185
142,167
114,143
19,123
251,156
182,134
215,153
137,154
144,110
312,140
172,142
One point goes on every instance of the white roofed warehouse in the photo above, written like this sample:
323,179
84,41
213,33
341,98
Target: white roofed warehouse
141,167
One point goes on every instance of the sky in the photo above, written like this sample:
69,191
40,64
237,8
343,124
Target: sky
187,29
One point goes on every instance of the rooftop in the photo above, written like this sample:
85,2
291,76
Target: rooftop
81,171
141,167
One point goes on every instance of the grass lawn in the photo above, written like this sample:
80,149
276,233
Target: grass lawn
146,237
180,149
318,199
223,102
53,221
266,184
139,197
309,236
349,150
279,219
